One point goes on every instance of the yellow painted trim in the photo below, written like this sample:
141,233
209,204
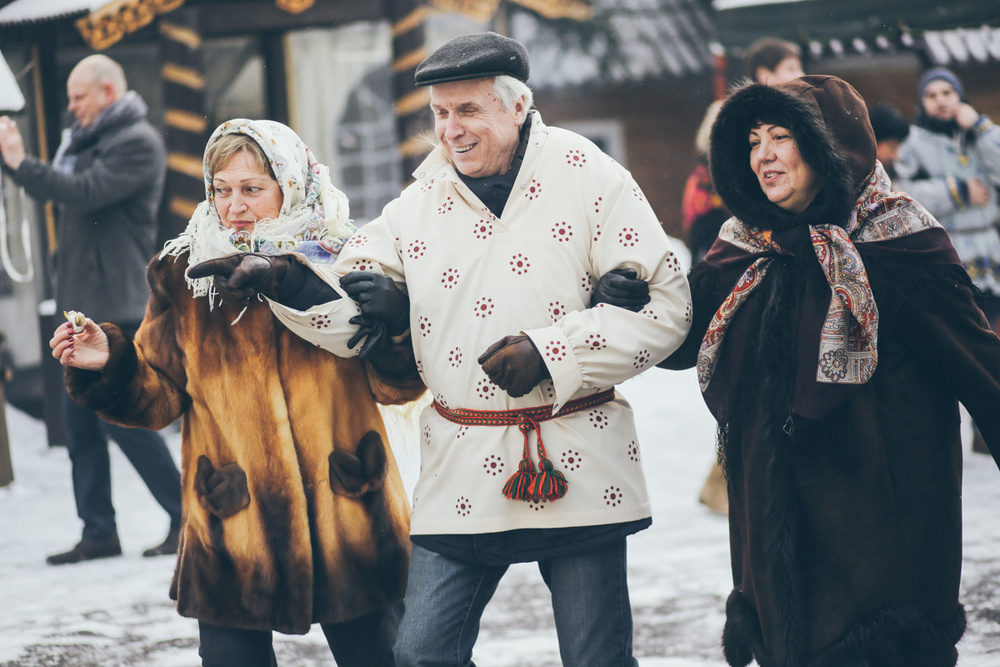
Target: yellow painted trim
183,207
411,20
295,6
185,163
185,120
409,60
184,76
178,33
413,102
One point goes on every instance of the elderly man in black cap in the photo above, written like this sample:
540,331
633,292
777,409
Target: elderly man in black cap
504,260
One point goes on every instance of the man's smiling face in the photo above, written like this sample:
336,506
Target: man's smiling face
475,131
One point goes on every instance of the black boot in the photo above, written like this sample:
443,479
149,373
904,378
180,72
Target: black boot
168,546
88,549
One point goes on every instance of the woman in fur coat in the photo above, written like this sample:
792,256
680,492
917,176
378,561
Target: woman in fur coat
835,333
294,510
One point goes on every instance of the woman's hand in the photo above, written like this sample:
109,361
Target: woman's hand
87,350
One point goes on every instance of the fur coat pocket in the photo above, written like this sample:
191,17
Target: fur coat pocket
221,491
354,475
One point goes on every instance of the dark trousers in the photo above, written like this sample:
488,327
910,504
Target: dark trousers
87,443
361,642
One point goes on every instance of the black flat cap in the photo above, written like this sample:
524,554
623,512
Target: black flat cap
476,56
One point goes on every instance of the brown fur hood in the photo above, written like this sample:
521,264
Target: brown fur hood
829,121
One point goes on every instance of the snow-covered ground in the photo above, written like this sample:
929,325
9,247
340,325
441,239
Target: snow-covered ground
116,612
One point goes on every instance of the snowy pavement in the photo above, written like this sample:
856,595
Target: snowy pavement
116,613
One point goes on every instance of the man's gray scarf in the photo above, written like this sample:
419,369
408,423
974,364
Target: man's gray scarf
126,111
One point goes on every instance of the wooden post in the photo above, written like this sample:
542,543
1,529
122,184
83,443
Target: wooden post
411,103
47,122
183,82
6,468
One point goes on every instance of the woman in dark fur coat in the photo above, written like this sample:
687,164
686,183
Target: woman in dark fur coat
294,509
835,333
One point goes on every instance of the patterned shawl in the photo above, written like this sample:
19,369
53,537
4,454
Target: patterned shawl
848,346
313,220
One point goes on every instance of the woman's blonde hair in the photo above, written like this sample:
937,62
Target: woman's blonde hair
227,146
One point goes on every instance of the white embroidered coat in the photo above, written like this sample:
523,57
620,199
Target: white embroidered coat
473,278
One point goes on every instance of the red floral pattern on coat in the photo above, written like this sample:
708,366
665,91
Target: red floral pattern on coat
633,451
562,232
571,460
486,389
556,311
449,278
628,237
320,321
417,249
493,465
555,350
483,229
484,307
533,190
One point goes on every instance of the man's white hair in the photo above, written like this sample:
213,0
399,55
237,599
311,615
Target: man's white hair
509,90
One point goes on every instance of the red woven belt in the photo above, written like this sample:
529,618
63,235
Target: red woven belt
527,484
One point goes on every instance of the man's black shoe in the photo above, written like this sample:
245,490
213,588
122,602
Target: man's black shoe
88,549
168,546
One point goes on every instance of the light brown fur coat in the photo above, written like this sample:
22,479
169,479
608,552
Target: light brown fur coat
286,550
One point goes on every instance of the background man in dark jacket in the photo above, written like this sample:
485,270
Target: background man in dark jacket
107,178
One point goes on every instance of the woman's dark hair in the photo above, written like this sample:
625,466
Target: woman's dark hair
888,123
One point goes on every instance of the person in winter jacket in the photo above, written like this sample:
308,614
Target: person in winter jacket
951,164
107,180
294,510
835,332
495,258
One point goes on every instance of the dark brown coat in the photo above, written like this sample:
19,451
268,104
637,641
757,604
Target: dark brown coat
279,531
846,526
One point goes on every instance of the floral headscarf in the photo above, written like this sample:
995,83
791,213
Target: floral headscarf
313,220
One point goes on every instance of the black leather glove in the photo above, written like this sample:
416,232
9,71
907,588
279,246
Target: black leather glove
242,276
392,360
622,288
222,492
372,331
354,475
514,364
378,297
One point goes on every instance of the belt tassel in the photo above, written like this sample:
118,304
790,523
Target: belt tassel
526,483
